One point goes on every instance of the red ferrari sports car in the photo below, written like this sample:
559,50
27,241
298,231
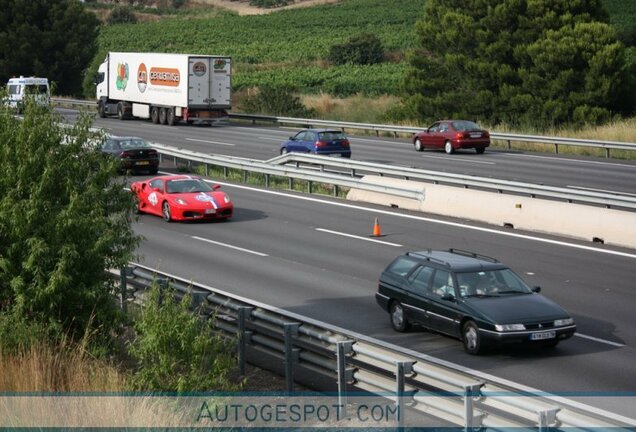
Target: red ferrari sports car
182,197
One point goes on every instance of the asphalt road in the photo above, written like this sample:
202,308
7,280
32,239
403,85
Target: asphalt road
288,250
261,142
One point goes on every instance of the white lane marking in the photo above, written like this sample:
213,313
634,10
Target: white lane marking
592,338
229,246
437,221
210,142
459,159
566,159
358,237
600,190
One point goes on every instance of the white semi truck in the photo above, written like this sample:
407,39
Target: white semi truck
165,88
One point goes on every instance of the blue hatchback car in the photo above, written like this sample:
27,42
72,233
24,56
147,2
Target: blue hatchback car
318,141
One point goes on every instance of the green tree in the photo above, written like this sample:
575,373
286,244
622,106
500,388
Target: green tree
49,38
537,62
64,220
177,350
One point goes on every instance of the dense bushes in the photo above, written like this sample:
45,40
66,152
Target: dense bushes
277,101
363,49
176,350
122,15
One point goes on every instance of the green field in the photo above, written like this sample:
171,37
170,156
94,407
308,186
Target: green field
286,47
289,47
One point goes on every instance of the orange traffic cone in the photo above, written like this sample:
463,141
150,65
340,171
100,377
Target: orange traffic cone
376,229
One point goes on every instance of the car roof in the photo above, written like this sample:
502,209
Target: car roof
177,177
121,138
323,130
458,260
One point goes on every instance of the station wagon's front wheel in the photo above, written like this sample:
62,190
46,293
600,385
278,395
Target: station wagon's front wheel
398,318
471,338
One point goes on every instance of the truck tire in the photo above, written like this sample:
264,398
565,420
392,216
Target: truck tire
154,115
101,109
163,116
170,117
121,113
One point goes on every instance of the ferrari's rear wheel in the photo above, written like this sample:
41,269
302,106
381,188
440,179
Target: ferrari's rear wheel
167,216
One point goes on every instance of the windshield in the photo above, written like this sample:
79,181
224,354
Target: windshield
133,144
491,283
187,186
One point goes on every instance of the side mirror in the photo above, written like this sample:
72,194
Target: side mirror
216,187
448,297
536,289
292,138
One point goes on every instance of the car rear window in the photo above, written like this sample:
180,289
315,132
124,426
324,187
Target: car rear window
465,126
331,136
401,266
133,144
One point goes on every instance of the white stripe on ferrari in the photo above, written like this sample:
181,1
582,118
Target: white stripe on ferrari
229,246
358,237
210,142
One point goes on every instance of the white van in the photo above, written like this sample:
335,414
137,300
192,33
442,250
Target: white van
19,89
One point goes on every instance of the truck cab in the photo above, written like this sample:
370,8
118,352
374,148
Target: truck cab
19,89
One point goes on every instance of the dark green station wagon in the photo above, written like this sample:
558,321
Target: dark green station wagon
471,297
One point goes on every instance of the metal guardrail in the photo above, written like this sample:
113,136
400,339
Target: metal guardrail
354,362
280,166
507,137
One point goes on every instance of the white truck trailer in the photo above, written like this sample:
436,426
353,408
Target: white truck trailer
165,88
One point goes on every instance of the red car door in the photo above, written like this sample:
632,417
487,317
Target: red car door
430,137
437,135
152,196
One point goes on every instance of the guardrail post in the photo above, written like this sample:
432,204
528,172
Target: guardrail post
343,349
244,313
607,152
207,170
291,353
123,286
509,144
556,149
266,180
402,368
546,418
470,391
224,172
290,183
244,176
335,190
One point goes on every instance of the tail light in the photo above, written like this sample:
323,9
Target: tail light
462,135
125,154
320,144
152,153
345,143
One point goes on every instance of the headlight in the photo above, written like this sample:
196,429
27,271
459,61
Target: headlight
563,322
180,201
226,199
509,327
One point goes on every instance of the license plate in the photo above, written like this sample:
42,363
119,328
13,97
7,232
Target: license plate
142,163
543,335
210,211
475,135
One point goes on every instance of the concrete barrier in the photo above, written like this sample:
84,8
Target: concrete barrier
609,226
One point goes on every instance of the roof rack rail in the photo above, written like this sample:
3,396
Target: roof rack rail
429,258
472,254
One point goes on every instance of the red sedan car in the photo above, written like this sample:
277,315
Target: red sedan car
451,135
182,197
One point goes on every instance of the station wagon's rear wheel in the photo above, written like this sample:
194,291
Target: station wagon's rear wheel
167,216
471,338
398,318
448,148
418,145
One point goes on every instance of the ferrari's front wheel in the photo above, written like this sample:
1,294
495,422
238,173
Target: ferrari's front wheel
166,211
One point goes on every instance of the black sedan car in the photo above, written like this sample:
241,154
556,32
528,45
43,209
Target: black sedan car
135,154
471,297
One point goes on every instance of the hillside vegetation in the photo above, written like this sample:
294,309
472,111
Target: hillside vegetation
290,48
